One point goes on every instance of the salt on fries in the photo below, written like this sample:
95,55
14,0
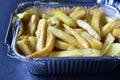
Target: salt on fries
77,33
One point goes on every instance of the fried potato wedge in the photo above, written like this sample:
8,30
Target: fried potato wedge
41,34
71,47
65,37
114,50
109,27
21,30
94,43
53,21
32,40
78,13
88,28
80,39
61,45
32,25
107,43
45,16
24,46
47,49
24,16
116,33
95,22
64,18
76,53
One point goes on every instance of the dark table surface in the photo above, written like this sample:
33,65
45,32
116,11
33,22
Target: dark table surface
13,69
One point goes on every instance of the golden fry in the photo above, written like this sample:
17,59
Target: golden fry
88,28
61,45
32,40
32,25
24,47
80,39
94,43
24,16
95,22
45,16
78,13
71,47
114,50
116,33
41,34
65,37
21,30
76,53
64,18
53,21
109,27
47,49
107,43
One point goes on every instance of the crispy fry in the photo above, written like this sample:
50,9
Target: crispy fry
108,19
108,27
32,40
61,45
32,25
76,53
24,47
71,47
94,43
78,13
95,22
65,37
47,49
107,43
21,30
80,39
25,16
64,18
41,34
45,16
114,50
89,29
53,21
116,33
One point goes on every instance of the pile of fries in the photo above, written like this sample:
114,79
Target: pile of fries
68,32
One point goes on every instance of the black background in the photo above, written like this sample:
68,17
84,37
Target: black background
13,69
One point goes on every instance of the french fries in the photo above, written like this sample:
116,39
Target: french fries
45,16
47,49
114,50
21,30
76,53
61,45
80,39
24,16
64,18
94,43
53,21
65,37
67,32
107,43
24,46
78,13
32,40
95,22
32,25
41,34
116,33
109,27
88,28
